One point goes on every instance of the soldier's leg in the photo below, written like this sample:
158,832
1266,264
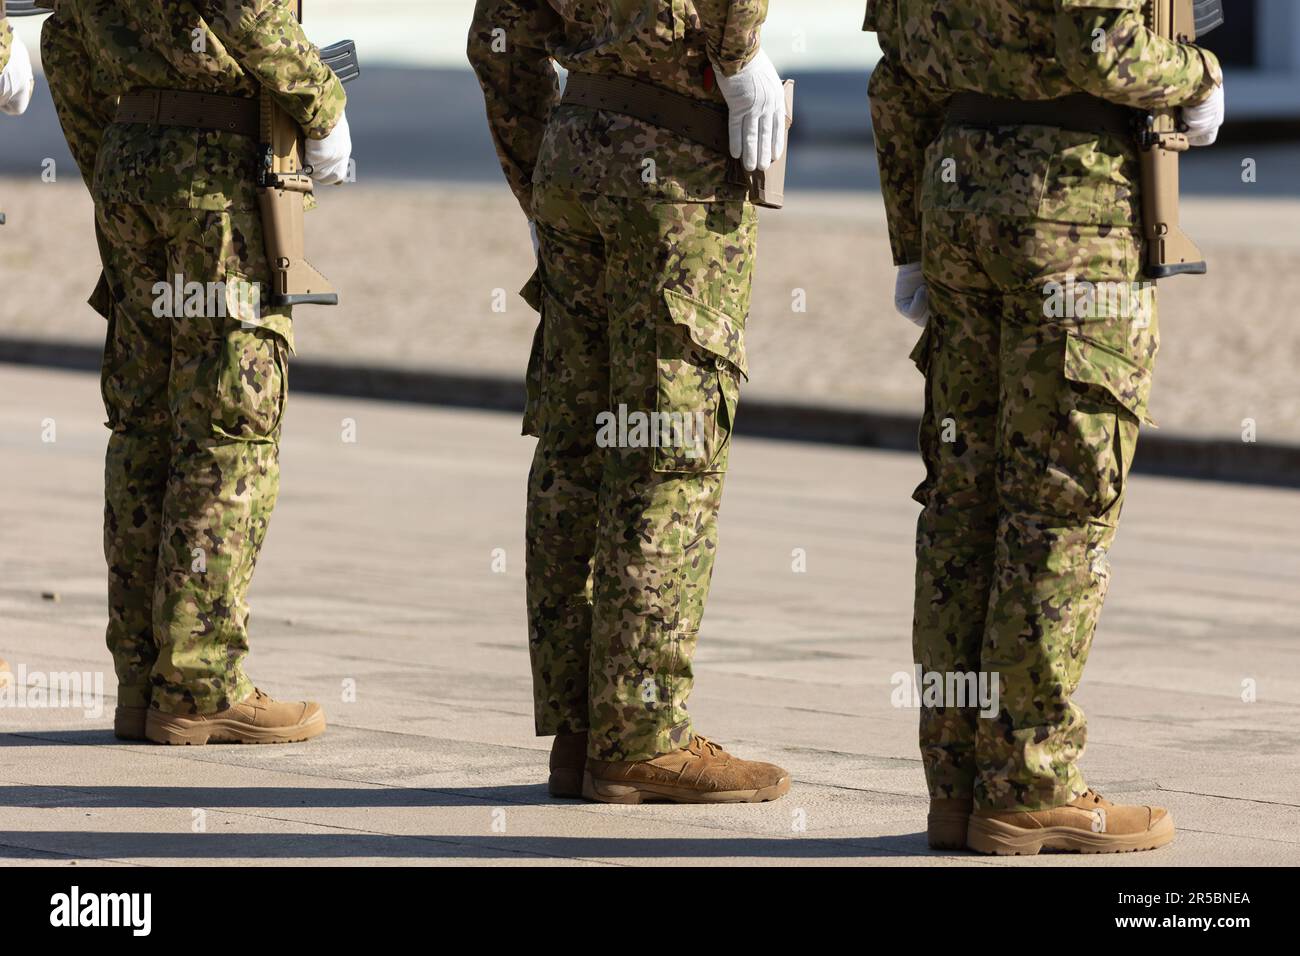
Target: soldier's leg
568,387
1074,391
226,392
678,296
955,532
137,355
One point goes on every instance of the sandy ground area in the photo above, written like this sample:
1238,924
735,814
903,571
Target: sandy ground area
420,266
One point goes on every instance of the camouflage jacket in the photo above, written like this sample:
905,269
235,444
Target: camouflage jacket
96,50
667,42
1016,49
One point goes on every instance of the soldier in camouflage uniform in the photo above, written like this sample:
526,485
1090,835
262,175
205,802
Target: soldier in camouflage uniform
15,93
1031,409
194,401
646,246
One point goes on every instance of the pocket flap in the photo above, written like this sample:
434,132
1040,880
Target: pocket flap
532,291
1092,363
920,354
246,307
711,329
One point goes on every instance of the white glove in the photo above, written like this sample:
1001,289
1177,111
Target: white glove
328,157
910,296
756,108
1203,121
16,82
537,245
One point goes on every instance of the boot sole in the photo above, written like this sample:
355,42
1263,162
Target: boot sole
608,791
177,731
1003,839
566,784
947,831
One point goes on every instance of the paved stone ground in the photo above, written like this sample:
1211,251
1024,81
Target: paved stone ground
421,296
378,572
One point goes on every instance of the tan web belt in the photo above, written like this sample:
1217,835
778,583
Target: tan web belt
701,122
214,111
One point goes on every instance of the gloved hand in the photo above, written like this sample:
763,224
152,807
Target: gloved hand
910,296
756,108
16,82
1203,121
328,157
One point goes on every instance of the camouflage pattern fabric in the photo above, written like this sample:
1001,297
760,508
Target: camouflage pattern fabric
194,393
667,42
643,306
1032,405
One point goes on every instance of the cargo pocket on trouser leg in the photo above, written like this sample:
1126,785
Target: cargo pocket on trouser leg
927,434
535,378
1088,457
699,362
101,300
252,385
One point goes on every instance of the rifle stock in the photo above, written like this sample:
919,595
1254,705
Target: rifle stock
1170,251
281,197
283,188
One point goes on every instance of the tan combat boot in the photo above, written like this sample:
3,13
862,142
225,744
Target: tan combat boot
945,827
6,675
128,722
1088,824
700,773
568,760
258,720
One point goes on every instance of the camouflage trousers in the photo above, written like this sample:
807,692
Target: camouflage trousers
1038,370
632,392
194,387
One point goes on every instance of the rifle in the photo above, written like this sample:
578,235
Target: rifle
283,187
1169,251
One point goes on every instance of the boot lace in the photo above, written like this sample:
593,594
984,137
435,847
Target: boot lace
705,747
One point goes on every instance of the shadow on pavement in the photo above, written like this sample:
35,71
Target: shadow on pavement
50,797
286,846
43,738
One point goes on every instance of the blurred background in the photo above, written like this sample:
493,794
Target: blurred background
421,245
